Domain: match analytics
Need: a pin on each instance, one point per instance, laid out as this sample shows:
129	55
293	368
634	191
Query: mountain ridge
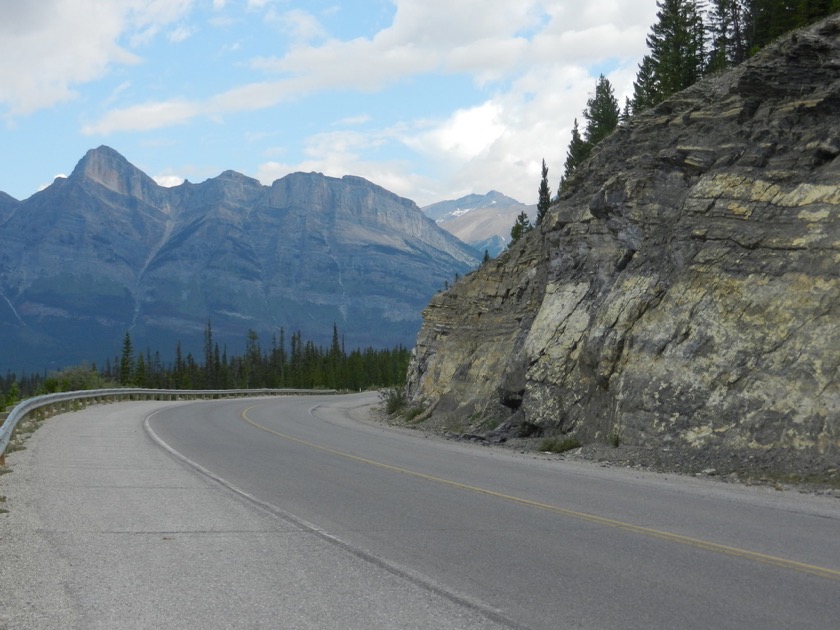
483	221
107	250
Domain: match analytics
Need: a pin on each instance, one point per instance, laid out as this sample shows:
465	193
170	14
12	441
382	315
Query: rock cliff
683	297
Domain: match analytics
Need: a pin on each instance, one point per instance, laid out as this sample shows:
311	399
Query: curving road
528	542
296	513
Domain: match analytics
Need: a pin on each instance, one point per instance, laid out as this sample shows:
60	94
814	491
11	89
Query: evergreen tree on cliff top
728	30
602	114
578	151
544	201
677	53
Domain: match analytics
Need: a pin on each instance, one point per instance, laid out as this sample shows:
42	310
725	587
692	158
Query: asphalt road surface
532	543
296	513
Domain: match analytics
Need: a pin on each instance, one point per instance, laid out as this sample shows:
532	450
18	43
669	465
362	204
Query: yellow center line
697	543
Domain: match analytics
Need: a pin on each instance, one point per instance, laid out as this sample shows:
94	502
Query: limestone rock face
685	294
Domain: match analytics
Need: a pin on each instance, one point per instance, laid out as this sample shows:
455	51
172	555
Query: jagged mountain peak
107	167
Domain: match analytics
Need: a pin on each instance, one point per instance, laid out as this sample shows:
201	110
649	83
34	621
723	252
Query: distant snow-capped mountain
483	221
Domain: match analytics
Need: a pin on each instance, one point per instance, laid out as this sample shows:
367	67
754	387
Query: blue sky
432	99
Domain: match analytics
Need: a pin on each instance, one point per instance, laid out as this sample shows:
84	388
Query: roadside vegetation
297	364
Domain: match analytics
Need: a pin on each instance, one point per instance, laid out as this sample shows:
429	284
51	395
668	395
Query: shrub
559	445
412	412
394	399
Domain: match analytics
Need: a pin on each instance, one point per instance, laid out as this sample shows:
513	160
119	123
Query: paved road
107	531
541	544
337	523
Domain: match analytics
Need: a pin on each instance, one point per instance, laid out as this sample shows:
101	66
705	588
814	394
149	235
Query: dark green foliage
578	151
126	361
544	191
677	53
394	399
558	445
74	378
303	366
684	46
727	30
646	91
520	228
601	113
11	391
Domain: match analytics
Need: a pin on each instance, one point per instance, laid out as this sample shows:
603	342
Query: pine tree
601	113
728	31
677	53
126	361
544	191
646	92
520	228
626	112
578	151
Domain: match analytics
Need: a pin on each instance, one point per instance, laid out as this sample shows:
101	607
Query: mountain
682	299
7	204
483	221
107	250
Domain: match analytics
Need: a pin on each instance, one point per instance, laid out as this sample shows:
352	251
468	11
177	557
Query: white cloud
180	34
533	62
50	47
59	176
465	135
168	181
544	81
426	36
144	117
300	25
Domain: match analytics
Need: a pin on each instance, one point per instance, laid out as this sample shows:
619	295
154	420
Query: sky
431	99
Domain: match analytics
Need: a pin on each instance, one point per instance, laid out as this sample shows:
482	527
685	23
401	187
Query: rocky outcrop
684	295
107	250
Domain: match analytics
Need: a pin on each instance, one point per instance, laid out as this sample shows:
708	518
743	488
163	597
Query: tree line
693	38
689	40
298	364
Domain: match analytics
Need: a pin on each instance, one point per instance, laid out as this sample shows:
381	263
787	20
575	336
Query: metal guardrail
51	404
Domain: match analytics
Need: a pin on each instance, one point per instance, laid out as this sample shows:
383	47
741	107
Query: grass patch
614	439
394	398
559	445
412	412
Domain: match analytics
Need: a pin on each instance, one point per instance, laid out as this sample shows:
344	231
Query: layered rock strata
684	295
